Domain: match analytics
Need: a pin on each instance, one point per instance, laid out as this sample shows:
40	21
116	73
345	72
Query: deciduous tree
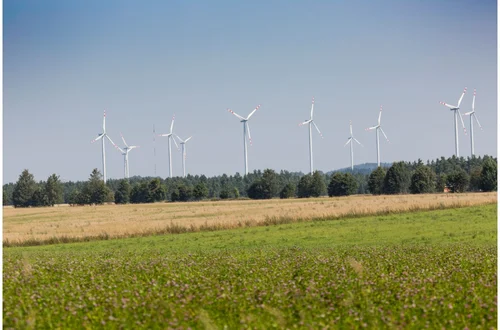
376	181
342	184
423	180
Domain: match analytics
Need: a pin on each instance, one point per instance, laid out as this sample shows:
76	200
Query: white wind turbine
310	121
349	140
101	137
170	137
377	128
183	148
472	114
456	109
246	129
125	152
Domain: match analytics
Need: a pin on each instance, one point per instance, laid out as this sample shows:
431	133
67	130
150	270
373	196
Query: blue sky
67	61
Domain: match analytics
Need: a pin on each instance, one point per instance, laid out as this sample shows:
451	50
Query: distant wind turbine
456	109
311	122
125	152
170	137
101	137
246	129
377	128
472	114
349	140
183	148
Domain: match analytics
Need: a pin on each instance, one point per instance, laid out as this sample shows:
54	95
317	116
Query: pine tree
397	179
24	190
304	186
318	186
53	190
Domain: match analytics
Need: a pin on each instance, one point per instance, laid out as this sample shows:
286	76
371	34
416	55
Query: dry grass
61	224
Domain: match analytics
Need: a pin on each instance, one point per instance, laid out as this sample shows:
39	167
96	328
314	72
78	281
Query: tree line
452	174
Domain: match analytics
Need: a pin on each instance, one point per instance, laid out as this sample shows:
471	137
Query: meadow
33	226
422	269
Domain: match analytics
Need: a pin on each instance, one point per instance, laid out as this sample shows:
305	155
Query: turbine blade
448	105
172	124
348	140
358	142
251	113
97	138
248	131
370	128
126	145
384	135
167	134
350	126
468	113
461	119
234	113
189	138
177	136
104	122
114	145
380	115
317	128
473	100
477	120
175	144
306	122
312	108
461	97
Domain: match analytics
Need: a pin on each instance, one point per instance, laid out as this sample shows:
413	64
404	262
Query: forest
453	175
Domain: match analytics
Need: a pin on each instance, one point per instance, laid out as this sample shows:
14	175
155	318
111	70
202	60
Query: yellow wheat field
136	219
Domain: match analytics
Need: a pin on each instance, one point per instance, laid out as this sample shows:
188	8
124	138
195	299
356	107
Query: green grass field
423	269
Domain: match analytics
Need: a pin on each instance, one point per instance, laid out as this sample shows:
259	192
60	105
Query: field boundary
177	228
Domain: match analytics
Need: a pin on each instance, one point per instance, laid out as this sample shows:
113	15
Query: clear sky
65	62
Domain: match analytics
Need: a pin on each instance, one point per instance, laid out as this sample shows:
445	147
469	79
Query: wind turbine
472	114
125	152
183	146
377	128
170	137
456	109
311	122
349	140
246	129
101	137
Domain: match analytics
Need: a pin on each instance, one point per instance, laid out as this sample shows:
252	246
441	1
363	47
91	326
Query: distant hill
365	168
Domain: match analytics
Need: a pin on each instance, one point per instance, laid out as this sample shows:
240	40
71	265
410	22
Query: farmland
109	221
422	269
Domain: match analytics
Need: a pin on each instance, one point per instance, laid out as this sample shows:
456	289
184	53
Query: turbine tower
101	137
456	109
246	129
310	121
183	147
377	128
170	137
472	114
349	140
125	152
